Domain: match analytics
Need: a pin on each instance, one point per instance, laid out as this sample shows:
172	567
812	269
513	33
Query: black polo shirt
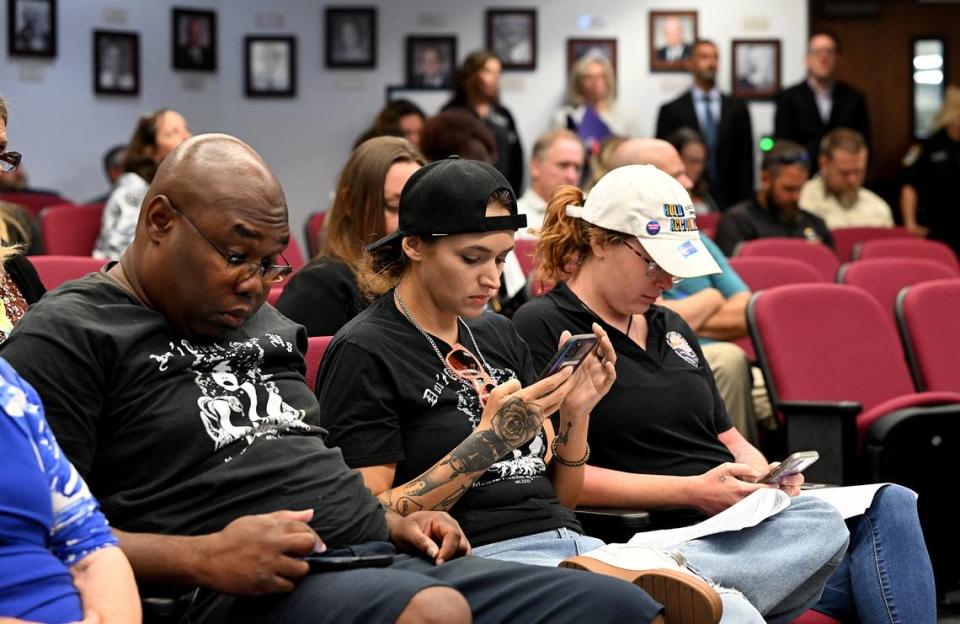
749	220
933	172
664	413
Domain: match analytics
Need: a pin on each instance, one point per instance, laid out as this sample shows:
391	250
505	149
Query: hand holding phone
795	464
369	555
571	353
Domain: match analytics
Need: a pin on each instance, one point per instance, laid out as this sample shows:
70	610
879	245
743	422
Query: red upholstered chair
815	617
293	255
820	257
908	248
845	239
766	272
885	277
34	202
708	222
275	291
927	318
70	230
316	346
525	247
55	270
311	231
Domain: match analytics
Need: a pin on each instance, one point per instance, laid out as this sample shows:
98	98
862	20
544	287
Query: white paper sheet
850	501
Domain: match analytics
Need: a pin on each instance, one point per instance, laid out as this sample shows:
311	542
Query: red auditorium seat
845	239
293	254
766	272
55	270
708	222
525	247
312	230
70	230
927	317
316	346
908	248
820	257
274	295
34	202
883	278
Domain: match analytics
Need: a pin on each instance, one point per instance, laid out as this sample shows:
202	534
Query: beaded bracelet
563	462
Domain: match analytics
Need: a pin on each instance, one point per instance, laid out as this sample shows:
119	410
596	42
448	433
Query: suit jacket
684	55
733	181
798	117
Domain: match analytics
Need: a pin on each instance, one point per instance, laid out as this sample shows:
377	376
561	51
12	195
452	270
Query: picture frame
32	28
511	34
672	34
431	61
270	66
578	48
194	40
755	68
116	62
351	38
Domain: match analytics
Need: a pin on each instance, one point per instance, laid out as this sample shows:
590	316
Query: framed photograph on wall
270	66
116	62
351	35
32	28
512	35
756	68
672	34
578	48
431	61
194	40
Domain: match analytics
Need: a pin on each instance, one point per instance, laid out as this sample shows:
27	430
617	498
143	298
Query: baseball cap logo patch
673	210
683	225
653	228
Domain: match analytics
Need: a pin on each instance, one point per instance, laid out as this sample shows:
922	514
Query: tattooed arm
511	418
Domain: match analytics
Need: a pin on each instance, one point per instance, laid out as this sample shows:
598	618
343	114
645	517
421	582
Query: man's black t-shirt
322	297
663	413
386	398
748	220
178	436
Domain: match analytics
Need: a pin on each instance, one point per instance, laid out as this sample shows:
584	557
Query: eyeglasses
9	161
654	270
244	270
467	367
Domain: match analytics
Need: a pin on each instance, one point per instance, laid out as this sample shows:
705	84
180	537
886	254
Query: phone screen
572	353
796	463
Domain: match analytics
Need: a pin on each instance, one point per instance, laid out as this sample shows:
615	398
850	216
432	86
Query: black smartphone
372	555
795	464
572	353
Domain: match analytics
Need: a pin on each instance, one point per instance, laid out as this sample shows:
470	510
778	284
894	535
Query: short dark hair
844	139
825	32
700	42
782	154
683	136
457	132
111	158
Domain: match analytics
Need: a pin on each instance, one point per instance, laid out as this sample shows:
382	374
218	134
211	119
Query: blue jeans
548	548
886	575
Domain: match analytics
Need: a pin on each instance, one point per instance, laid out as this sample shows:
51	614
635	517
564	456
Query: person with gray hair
590	107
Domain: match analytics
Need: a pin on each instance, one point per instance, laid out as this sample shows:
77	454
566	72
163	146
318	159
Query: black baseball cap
450	196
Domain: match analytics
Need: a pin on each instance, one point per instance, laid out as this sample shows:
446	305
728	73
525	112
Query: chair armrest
612	524
830	428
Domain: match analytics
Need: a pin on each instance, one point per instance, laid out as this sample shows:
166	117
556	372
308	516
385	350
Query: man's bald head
654	152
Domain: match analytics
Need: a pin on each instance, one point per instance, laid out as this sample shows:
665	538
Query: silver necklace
406	313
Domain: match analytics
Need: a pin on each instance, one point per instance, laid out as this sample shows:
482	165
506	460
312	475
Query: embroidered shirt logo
682	348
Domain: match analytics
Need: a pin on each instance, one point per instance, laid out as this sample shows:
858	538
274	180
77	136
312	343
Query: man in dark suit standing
723	122
808	110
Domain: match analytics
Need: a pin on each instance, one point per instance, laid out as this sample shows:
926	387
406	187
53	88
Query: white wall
62	128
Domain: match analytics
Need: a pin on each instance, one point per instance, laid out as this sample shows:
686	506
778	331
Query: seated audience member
590	108
19	227
186	411
836	193
457	133
402	392
156	135
775	210
398	118
693	151
714	306
476	85
661	438
600	164
323	295
929	195
58	559
112	168
557	159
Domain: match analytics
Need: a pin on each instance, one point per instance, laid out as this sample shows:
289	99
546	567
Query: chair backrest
311	232
820	257
927	318
34	202
845	239
316	346
908	248
524	247
761	272
274	295
55	270
827	342
884	277
708	222
70	230
293	254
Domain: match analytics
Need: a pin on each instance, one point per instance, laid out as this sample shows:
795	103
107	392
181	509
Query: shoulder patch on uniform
682	348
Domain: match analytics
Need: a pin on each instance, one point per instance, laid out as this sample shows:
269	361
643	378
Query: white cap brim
681	258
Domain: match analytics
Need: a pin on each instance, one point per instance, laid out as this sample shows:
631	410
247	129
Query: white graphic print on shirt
237	400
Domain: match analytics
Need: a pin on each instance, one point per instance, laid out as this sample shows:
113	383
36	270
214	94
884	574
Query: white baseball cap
645	202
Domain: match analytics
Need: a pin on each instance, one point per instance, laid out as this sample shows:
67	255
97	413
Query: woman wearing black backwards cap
422	390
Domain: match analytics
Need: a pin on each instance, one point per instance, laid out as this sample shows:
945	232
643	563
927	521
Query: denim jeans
886	575
548	548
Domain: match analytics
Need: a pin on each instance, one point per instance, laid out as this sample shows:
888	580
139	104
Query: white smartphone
795	464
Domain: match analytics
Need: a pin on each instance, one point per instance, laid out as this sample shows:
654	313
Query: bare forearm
908	205
603	487
695	309
744	452
729	321
106	586
165	559
571	446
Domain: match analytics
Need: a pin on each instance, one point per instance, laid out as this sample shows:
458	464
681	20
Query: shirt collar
565	299
714	94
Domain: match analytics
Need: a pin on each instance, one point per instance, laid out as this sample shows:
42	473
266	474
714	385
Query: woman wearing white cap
422	390
661	437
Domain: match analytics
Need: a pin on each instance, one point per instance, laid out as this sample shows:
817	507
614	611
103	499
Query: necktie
710	135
